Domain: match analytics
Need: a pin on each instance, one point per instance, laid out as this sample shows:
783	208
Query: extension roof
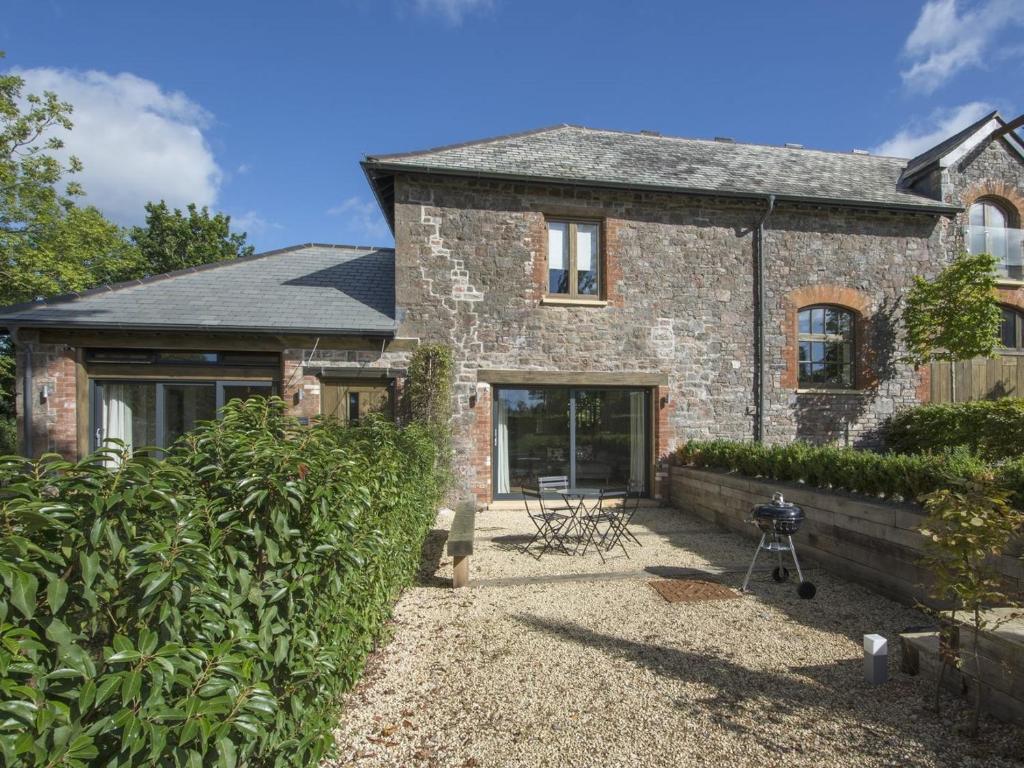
315	289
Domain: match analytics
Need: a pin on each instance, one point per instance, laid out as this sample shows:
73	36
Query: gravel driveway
570	662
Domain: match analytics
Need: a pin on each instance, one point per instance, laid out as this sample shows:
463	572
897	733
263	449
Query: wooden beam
219	341
181	372
460	572
574	378
1013	125
340	372
82	409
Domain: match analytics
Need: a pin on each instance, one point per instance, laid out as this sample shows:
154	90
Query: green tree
31	201
73	252
955	316
969	524
175	240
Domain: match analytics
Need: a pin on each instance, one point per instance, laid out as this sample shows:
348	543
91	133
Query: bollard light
876	659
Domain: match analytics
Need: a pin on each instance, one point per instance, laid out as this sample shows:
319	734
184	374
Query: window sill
829	391
558	301
1005	282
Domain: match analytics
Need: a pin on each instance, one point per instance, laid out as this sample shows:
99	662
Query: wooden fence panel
979	379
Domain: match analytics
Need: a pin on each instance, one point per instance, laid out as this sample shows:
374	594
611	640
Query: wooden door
349	401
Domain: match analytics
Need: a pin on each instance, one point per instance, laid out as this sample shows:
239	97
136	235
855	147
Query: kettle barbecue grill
779	520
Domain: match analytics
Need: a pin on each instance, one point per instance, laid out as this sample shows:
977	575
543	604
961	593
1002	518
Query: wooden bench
460	540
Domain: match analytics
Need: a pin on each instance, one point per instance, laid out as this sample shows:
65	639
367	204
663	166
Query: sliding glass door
156	413
598	438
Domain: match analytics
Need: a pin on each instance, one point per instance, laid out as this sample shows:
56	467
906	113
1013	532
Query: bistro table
575	500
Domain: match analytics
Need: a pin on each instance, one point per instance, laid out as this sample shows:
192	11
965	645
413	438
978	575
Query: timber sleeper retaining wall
870	541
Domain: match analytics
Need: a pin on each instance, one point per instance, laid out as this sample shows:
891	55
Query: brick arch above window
1006	196
851	299
1011	297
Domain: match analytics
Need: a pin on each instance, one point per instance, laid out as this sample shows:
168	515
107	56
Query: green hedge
893	475
994	429
211	608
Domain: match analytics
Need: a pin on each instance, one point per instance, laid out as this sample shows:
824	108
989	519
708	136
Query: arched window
826	346
986	232
1011	331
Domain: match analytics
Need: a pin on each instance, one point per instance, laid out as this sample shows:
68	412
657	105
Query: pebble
599	670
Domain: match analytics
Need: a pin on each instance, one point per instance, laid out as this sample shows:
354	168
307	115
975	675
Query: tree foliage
32	203
50	245
427	399
969	523
956	315
175	240
211	608
427	391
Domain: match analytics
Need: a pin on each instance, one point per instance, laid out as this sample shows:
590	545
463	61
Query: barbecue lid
777	507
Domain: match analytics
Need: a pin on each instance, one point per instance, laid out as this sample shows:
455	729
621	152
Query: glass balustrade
1007	245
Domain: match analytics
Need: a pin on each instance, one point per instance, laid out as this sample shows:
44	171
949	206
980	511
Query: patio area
568	661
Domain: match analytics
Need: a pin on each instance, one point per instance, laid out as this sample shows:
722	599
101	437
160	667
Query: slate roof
314	288
574	154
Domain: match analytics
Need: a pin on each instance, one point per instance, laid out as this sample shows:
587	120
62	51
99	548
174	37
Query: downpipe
759	312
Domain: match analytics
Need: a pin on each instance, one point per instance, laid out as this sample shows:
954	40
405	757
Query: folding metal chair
617	508
549	522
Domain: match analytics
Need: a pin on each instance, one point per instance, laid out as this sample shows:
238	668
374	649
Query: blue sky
263	109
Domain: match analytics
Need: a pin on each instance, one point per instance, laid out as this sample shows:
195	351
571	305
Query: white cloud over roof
137	141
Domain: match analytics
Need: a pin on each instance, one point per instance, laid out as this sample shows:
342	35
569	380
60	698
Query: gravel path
571	662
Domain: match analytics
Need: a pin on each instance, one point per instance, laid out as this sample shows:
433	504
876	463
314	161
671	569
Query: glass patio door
595	437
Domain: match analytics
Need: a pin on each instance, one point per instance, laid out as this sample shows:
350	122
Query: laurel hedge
209	608
994	429
890	475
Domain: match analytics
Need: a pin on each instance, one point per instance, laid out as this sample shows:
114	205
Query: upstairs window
988	232
574	259
1011	331
825	338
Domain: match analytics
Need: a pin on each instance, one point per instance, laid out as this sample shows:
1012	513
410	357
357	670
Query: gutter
58	325
925	208
760	251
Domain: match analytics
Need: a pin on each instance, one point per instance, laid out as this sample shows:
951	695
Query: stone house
606	294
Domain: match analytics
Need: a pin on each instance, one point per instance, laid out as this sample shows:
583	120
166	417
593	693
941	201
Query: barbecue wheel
806	590
780	574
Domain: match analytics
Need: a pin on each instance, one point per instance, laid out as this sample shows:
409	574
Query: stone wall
471	267
992	169
872	542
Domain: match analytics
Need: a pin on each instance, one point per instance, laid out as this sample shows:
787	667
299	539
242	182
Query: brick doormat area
691	590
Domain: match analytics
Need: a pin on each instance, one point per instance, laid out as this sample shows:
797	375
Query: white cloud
947	40
453	11
925	134
252	223
362	216
137	141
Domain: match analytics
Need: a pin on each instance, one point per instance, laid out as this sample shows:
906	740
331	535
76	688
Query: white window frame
572	258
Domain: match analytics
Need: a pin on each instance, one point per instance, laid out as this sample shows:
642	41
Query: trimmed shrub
994	429
8	435
892	475
210	608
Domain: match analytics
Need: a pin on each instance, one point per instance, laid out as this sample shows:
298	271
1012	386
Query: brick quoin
294	381
664	436
480	458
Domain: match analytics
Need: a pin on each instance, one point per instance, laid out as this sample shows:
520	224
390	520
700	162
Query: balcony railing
1007	245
